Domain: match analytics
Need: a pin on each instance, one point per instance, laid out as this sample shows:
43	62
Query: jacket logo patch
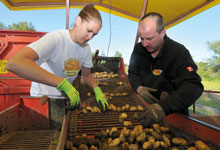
189	68
157	72
71	67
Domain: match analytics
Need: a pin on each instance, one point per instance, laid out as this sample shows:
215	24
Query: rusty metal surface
92	123
30	140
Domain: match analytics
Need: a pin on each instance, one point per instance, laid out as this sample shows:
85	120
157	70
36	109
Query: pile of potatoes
104	75
138	138
112	107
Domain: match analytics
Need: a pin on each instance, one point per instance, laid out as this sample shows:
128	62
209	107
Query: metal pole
67	13
142	14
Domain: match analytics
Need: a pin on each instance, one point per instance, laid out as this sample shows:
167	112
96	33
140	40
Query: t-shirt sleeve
44	47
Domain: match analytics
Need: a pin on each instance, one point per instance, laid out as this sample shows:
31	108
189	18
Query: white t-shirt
59	55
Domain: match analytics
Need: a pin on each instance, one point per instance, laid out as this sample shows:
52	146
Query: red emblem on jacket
189	68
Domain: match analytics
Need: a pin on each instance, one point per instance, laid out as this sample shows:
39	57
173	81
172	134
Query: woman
54	61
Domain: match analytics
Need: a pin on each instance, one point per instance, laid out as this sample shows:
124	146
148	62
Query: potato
117	94
191	148
156	135
156	127
127	123
89	108
140	108
151	138
125	146
133	108
124	94
156	145
166	140
93	147
201	145
140	139
147	145
112	94
118	109
179	141
84	111
119	83
123	115
164	129
88	94
133	147
115	142
83	147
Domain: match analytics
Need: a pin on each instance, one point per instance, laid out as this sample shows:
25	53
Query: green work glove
71	92
101	99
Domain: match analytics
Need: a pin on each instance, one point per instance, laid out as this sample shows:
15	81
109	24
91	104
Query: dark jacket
173	71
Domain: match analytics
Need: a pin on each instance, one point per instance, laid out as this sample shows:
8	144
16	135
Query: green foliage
210	70
22	26
2	26
207	104
117	54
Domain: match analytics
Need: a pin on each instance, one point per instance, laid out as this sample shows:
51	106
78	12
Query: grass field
208	103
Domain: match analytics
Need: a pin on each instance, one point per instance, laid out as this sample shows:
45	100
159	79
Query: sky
194	33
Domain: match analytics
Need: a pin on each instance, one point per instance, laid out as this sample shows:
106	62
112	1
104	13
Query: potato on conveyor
140	108
156	145
127	123
133	147
84	111
125	146
119	83
123	115
166	140
191	148
93	147
147	145
156	127
133	108
83	147
88	94
201	145
179	141
124	94
164	129
115	142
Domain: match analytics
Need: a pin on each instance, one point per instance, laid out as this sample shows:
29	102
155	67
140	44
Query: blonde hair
90	12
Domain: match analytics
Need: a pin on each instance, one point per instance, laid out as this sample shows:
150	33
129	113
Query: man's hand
153	114
71	92
101	99
144	92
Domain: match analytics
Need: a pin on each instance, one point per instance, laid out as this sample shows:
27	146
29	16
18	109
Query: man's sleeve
186	82
134	69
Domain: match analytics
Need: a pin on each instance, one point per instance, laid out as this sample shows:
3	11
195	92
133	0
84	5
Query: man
162	71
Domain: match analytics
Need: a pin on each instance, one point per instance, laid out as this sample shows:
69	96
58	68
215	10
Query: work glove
164	95
101	99
71	92
145	92
153	114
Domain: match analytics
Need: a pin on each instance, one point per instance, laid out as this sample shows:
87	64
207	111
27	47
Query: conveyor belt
30	140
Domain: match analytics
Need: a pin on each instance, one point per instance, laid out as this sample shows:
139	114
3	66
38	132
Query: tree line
22	26
210	68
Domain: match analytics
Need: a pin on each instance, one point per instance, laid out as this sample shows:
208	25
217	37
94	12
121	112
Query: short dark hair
159	21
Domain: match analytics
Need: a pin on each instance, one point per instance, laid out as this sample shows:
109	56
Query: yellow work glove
101	99
71	92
